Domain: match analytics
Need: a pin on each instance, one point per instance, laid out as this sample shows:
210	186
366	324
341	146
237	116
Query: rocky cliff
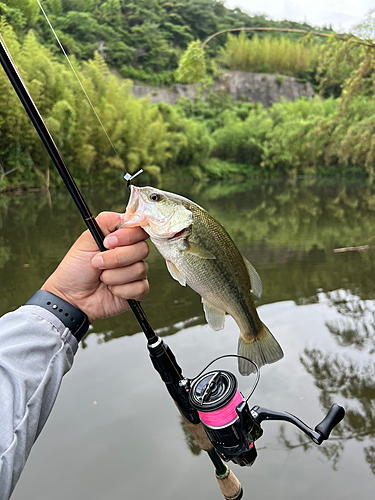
249	87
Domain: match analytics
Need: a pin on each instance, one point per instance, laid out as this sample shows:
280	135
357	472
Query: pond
115	433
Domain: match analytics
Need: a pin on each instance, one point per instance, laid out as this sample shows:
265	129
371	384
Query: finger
138	290
107	222
125	236
135	272
121	256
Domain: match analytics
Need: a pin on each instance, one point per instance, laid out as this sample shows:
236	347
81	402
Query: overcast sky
342	14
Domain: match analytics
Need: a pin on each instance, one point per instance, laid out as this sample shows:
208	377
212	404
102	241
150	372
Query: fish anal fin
215	317
175	273
263	349
256	282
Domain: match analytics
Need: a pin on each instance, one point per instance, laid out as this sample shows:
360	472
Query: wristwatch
73	318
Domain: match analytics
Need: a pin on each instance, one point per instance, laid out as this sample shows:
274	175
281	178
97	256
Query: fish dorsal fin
175	273
256	282
197	250
215	317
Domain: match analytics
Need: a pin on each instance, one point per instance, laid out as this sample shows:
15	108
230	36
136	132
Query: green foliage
366	29
269	54
192	67
13	16
147	35
338	61
212	109
144	135
29	10
242	140
347	67
160	79
300	134
213	136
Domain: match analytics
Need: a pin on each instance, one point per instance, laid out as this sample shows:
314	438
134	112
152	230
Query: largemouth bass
200	253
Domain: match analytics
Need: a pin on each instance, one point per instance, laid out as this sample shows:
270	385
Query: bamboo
290	30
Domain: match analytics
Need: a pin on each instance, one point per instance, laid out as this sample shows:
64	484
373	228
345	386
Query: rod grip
198	432
333	417
230	486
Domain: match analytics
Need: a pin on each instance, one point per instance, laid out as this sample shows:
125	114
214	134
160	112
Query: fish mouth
133	215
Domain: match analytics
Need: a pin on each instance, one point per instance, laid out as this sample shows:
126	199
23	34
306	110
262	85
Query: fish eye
155	197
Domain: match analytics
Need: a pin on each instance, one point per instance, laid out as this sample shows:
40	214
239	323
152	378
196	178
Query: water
114	432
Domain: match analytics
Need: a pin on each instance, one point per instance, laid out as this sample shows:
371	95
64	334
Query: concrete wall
249	87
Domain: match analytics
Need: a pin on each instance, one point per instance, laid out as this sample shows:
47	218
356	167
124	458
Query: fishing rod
161	355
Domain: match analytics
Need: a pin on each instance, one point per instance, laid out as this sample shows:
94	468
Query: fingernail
97	261
110	241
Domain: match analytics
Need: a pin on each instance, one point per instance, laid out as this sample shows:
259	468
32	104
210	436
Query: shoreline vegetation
332	134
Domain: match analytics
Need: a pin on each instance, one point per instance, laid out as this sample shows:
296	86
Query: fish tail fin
263	349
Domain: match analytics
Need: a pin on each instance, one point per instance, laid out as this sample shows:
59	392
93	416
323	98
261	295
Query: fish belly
216	283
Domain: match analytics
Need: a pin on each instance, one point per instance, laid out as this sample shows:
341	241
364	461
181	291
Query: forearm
36	350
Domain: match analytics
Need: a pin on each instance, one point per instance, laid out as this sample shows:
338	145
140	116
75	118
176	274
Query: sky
342	14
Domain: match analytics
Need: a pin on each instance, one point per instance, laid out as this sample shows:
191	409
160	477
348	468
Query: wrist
72	317
49	287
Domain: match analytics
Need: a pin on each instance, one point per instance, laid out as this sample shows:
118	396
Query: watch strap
70	316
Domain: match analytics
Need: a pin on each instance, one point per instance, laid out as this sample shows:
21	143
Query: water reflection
190	441
288	231
356	325
345	375
355	382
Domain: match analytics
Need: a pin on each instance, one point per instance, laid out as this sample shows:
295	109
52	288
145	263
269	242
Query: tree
192	67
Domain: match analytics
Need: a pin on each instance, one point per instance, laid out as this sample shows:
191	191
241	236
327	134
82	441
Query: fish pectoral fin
195	249
175	273
256	282
215	317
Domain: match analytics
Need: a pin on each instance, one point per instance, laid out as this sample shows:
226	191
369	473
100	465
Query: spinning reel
232	427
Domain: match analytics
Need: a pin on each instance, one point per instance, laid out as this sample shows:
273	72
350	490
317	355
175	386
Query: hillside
141	39
215	138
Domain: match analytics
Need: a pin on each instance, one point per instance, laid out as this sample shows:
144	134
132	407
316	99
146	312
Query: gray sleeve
36	350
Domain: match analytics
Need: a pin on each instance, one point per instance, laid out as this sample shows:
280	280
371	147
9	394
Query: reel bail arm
318	435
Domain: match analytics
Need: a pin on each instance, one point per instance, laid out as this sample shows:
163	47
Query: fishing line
77	77
235	356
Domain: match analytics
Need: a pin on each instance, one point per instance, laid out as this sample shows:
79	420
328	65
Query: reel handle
318	435
333	417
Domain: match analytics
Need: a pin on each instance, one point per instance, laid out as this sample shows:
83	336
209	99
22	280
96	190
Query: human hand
99	284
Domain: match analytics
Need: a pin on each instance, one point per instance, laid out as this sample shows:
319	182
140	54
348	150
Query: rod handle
333	417
230	486
198	433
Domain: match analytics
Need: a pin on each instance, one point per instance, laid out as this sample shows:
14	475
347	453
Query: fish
200	253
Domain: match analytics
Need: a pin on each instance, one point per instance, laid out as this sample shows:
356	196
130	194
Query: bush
240	140
269	55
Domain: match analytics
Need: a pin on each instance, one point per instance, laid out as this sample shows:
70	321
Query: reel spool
225	416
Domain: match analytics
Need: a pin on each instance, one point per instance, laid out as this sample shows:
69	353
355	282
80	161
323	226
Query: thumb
107	222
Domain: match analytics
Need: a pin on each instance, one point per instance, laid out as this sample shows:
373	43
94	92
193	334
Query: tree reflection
286	229
190	441
335	376
356	326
